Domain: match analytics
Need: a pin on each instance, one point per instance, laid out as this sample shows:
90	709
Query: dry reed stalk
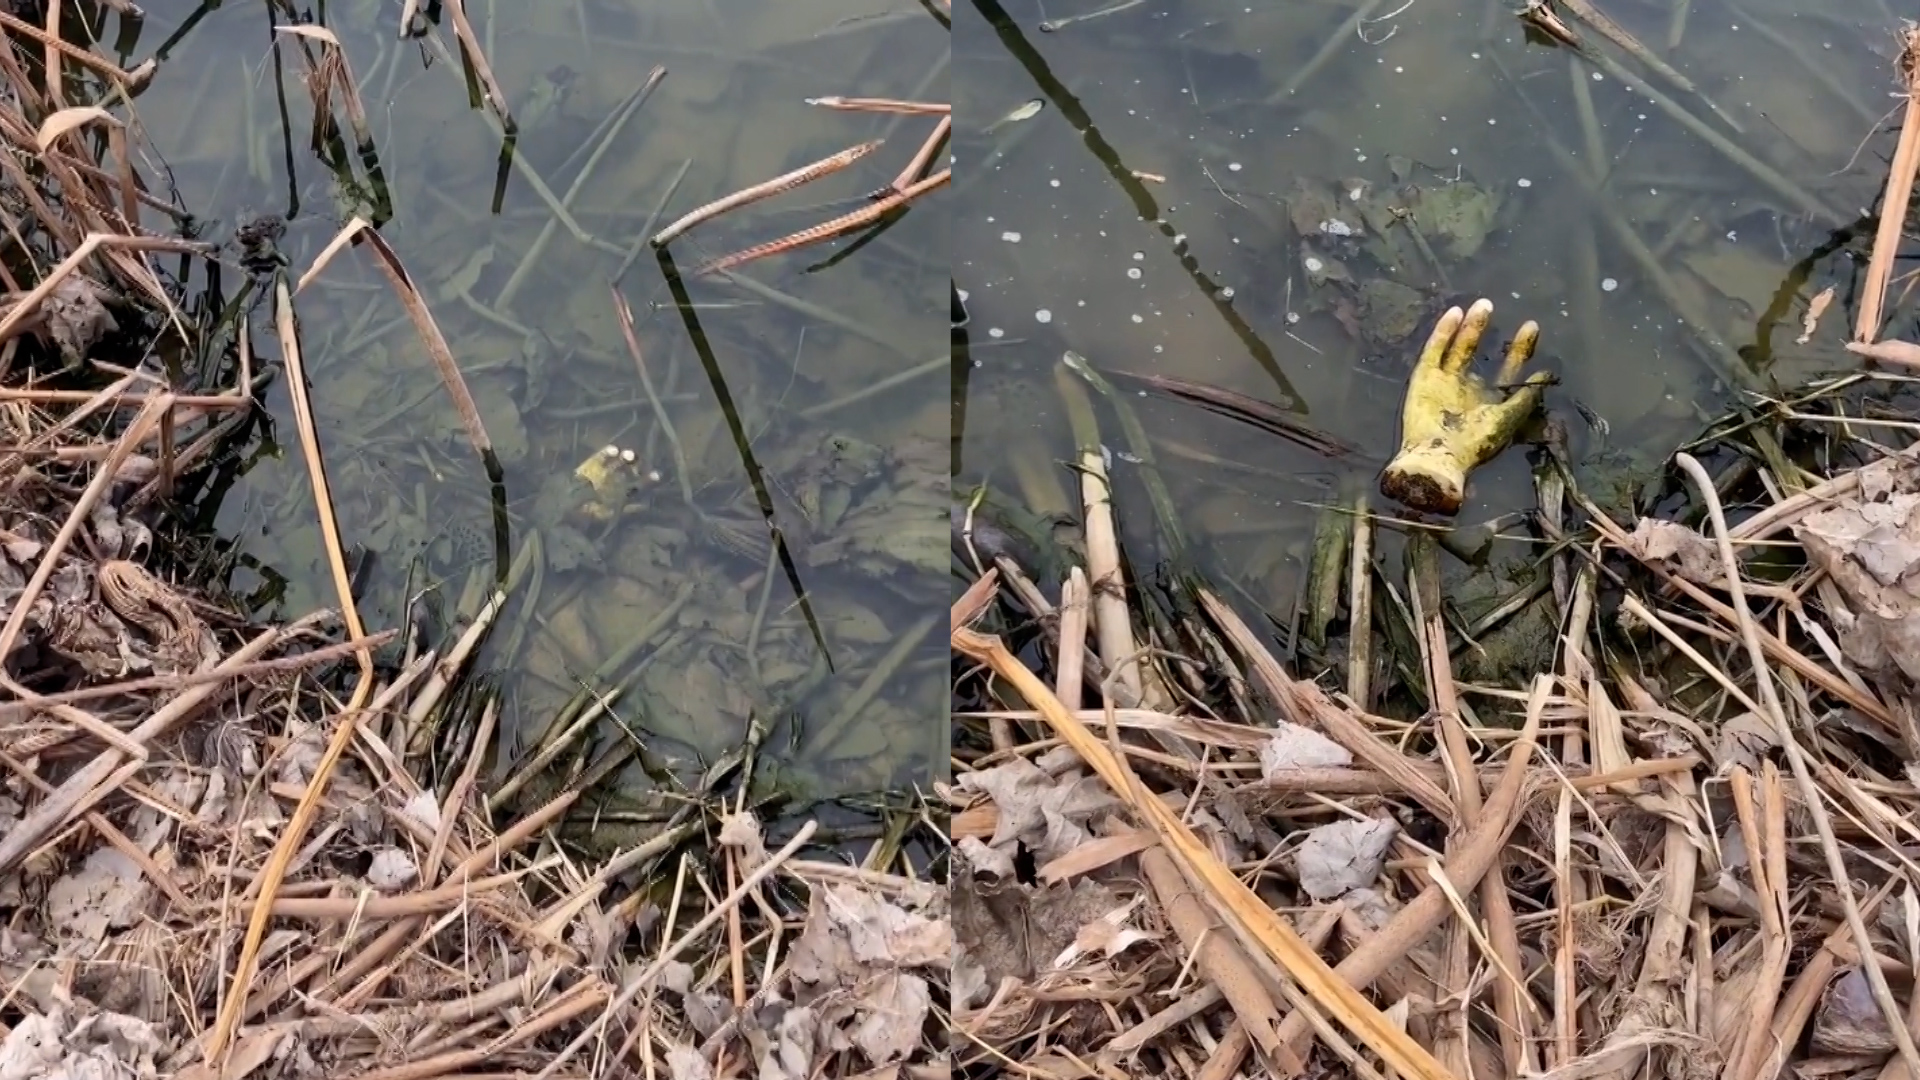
1893	204
1259	926
1772	646
389	265
96	779
1305	704
979	596
1070	657
827	230
884	105
1899	353
293	835
1764	833
133	81
28	306
137	430
1512	1004
781	184
917	167
470	46
1218	958
70	120
332	74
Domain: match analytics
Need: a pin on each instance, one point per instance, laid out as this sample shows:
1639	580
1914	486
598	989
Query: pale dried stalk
332	74
234	999
134	80
1764	834
68	120
470	44
389	265
1663	970
765	190
883	105
143	423
827	230
917	167
1465	865
56	811
1217	957
1893	204
1511	1003
1070	659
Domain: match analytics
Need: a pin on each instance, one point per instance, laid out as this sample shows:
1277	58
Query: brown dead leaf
1871	550
1849	1021
1292	746
1049	816
1342	856
1676	547
77	317
108	891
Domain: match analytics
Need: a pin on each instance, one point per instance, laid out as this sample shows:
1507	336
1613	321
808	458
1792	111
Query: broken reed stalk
1899	190
266	886
329	75
387	261
477	57
781	184
1218	958
1257	925
70	120
1813	806
884	105
827	230
131	81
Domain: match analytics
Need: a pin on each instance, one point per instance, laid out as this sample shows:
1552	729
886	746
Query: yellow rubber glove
1452	422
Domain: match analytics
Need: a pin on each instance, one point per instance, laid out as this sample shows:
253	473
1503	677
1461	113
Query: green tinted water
817	375
1220	192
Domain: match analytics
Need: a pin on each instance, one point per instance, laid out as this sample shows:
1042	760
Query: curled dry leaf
1849	1021
1292	747
1337	858
1870	548
60	1046
1049	816
1810	322
1676	547
391	870
77	317
742	833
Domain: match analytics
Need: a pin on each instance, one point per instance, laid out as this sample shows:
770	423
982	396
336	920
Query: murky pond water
801	390
1278	199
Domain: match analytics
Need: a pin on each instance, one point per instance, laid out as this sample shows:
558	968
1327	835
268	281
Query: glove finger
1436	347
1519	353
1468	339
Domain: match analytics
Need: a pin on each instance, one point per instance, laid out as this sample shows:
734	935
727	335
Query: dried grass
224	848
1657	859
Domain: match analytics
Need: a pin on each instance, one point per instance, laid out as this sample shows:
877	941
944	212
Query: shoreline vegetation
230	849
1197	837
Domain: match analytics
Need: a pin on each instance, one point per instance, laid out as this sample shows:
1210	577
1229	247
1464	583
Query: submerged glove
1452	422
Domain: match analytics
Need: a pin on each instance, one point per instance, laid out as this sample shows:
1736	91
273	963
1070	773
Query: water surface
806	388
